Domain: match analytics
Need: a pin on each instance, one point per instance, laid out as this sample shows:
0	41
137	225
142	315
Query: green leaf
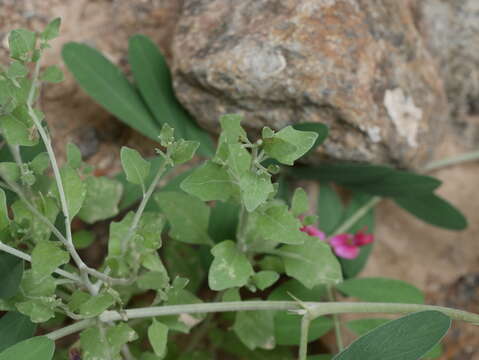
75	190
264	279
52	30
21	42
11	272
154	280
280	146
312	263
288	328
9	171
230	267
35	287
209	182
382	290
16	70
239	159
158	337
16	132
294	288
77	299
136	168
39	310
321	129
363	326
223	221
15	327
46	257
276	223
407	338
40	163
119	335
153	78
105	83
36	348
300	202
102	198
330	209
188	217
434	210
231	128
95	305
4	219
94	346
74	156
184	151
52	74
255	329
255	189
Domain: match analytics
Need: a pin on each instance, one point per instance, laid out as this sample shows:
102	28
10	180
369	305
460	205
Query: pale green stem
363	210
336	322
454	160
142	206
303	345
241	230
315	309
26	257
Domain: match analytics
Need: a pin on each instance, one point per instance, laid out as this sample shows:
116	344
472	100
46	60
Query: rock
451	32
358	66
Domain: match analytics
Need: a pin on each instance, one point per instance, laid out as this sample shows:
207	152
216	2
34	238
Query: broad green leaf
97	304
4	219
209	182
277	223
21	42
288	137
105	83
264	279
74	156
231	128
184	151
15	327
158	337
46	257
9	171
77	299
16	132
294	288
119	335
255	329
94	346
39	309
230	267
312	263
188	217
17	69
118	255
300	202
239	159
40	163
74	188
154	280
52	30
363	326
102	198
382	290
407	338
353	267
330	209
434	210
52	74
35	287
83	239
255	189
136	168
36	348
153	79
11	272
288	328
35	229
321	129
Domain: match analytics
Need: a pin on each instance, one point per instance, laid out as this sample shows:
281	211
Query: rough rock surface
358	66
451	32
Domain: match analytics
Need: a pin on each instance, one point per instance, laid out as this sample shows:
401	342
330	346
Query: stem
454	160
336	322
363	210
315	309
141	208
303	345
26	257
241	230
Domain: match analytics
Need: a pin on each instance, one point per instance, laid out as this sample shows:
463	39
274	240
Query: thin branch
454	160
336	321
363	210
303	345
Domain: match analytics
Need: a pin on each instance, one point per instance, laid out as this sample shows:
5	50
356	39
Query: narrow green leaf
312	263
158	337
136	168
330	209
36	348
382	290
342	173
407	338
15	327
11	272
4	219
188	217
52	74
105	83
230	267
434	210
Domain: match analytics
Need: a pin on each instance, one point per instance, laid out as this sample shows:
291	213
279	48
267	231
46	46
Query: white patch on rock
261	62
374	134
405	115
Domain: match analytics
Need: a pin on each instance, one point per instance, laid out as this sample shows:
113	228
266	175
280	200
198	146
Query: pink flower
344	245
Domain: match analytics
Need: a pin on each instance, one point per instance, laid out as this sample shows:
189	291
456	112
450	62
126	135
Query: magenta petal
313	231
340	239
361	239
346	251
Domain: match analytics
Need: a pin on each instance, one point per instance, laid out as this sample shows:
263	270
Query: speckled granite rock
359	66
